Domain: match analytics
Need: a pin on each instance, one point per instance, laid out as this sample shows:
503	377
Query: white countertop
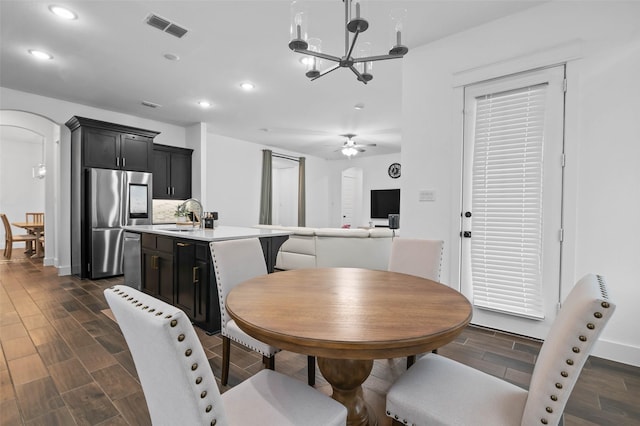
220	233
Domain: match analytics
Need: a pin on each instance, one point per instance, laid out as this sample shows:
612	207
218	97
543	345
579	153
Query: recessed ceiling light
40	54
247	86
171	57
359	106
62	12
204	104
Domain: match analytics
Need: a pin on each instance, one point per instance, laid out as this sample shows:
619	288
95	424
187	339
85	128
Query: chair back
418	257
573	333
174	372
7	227
34	217
235	261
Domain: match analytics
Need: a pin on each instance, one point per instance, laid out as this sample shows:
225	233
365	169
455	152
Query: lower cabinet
192	279
157	266
179	271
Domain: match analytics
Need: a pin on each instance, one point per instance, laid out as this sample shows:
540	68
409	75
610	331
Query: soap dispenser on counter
211	220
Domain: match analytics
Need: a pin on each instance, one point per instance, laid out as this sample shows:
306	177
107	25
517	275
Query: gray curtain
302	210
266	191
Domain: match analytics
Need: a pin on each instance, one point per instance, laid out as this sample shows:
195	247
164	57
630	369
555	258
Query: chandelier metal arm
376	58
353	44
318	55
357	73
327	71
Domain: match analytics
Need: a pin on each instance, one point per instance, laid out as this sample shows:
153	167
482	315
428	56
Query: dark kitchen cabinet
171	172
112	146
158	266
192	279
179	271
99	144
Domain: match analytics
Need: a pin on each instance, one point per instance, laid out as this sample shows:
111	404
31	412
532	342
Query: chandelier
355	24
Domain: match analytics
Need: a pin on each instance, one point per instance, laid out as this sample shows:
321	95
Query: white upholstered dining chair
179	385
419	257
235	261
440	391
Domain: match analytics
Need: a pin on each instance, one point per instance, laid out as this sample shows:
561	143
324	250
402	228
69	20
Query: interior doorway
285	191
47	133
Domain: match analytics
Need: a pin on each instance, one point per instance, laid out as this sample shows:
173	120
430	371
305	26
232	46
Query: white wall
374	176
602	39
60	112
234	172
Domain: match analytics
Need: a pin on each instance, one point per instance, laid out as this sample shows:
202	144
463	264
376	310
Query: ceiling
109	58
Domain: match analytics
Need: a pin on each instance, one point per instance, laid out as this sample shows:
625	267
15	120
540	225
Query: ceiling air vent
165	25
150	104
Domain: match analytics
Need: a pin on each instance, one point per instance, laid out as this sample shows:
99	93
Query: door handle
196	275
466	234
183	244
117	161
155	264
168	191
124	162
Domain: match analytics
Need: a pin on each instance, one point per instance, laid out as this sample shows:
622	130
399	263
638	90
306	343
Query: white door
348	199
512	200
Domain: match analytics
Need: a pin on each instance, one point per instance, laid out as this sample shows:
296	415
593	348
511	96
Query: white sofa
334	247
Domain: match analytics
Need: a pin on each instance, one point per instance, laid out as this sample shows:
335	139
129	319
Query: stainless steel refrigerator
116	198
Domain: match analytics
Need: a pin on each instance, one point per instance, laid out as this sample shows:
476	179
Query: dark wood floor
65	362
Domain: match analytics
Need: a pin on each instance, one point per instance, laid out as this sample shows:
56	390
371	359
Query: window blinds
506	242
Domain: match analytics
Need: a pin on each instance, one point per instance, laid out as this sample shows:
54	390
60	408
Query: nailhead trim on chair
582	338
396	417
223	313
181	337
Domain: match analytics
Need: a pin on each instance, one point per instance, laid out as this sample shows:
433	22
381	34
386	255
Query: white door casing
479	248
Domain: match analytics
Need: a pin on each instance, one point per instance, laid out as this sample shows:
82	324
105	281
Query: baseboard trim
618	352
64	270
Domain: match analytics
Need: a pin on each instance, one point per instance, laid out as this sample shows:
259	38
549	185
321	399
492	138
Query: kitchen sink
181	229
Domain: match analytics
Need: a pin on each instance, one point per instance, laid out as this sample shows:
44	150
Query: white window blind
506	242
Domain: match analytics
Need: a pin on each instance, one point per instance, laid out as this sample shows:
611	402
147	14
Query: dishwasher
131	262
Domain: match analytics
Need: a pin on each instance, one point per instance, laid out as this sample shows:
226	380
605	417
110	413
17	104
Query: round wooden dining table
347	317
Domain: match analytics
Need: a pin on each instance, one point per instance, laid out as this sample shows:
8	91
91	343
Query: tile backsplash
163	210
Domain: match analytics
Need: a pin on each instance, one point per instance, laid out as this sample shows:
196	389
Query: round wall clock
394	170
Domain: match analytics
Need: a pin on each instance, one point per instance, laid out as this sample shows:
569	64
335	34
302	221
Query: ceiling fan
350	147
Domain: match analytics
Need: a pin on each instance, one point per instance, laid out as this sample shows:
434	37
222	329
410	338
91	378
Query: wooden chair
235	261
178	383
440	391
9	238
422	258
34	217
31	217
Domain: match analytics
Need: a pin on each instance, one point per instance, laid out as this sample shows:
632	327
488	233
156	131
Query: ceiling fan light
349	151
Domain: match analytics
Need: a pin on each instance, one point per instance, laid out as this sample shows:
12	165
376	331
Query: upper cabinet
171	172
113	146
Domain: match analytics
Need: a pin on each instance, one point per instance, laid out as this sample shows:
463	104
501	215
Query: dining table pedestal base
346	377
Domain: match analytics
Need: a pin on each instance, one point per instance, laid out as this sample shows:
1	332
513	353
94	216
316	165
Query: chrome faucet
193	222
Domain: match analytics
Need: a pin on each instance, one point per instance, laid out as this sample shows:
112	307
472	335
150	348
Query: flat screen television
384	202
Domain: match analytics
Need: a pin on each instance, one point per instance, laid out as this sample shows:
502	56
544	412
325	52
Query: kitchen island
175	265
